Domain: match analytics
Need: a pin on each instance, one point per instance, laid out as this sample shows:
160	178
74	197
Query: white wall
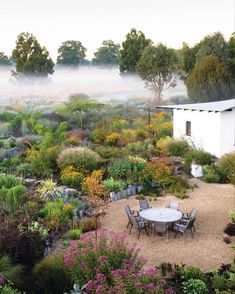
227	143
205	129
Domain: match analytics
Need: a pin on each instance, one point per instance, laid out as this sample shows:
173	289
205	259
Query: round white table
162	215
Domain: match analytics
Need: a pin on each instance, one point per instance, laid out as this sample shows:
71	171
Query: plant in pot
230	228
140	197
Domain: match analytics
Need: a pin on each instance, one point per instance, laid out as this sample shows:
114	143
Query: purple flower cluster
2	279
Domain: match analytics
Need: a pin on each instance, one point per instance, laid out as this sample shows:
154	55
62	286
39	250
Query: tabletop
163	215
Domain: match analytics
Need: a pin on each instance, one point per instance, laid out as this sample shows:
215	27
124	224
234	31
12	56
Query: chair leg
146	231
194	228
192	233
139	233
167	236
128	224
130	229
176	233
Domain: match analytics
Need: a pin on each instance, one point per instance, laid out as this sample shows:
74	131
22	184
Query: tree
4	60
156	67
231	54
107	54
186	57
210	80
214	44
132	49
71	53
80	104
30	58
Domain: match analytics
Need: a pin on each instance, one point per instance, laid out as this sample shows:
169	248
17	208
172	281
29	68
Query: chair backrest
144	204
193	213
128	210
190	223
136	221
173	204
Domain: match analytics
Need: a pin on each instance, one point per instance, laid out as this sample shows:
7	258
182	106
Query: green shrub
71	177
5	129
57	214
51	276
119	168
10	272
179	186
11	199
211	174
190	272
165	129
177	147
24	168
224	292
80	157
108	152
74	234
8	289
226	165
194	286
9	181
44	161
112	185
87	224
15	160
218	282
199	157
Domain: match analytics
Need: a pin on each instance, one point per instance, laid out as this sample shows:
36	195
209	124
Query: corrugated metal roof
210	106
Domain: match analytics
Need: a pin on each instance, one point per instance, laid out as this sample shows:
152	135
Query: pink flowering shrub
111	265
123	281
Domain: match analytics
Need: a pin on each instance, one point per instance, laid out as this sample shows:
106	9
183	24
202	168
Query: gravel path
206	250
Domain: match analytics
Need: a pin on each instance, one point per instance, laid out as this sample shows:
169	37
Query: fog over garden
103	84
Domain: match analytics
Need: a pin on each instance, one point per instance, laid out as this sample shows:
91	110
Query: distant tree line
207	69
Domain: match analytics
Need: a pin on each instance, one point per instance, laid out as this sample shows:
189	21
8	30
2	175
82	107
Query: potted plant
140	197
230	228
232	217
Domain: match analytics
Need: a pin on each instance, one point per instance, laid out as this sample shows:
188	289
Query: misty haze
99	83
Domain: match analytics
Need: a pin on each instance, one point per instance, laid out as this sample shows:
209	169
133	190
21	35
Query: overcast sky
92	21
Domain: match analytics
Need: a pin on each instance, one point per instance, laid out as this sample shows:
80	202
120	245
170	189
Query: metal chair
188	216
183	226
138	223
144	204
173	204
129	212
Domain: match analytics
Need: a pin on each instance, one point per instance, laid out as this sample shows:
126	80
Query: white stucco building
208	126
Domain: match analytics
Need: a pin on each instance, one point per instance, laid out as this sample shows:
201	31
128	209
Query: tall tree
231	54
156	68
186	57
210	80
132	49
214	44
4	60
71	53
107	54
30	58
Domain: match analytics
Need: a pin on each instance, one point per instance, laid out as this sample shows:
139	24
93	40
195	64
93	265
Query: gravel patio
206	250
